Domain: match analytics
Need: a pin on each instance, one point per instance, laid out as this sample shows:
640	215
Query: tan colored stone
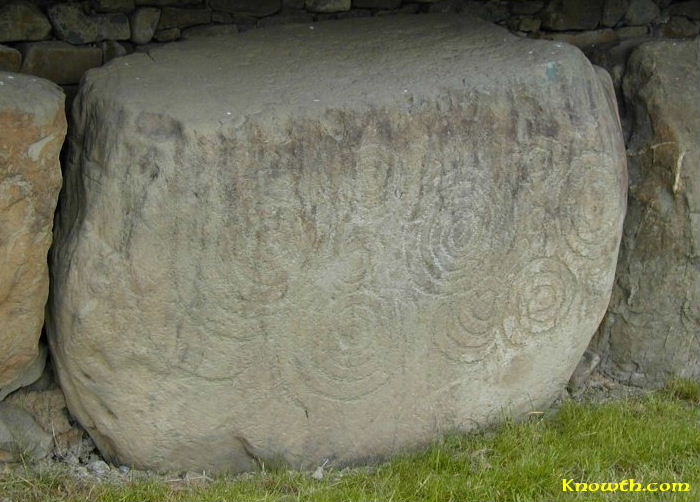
10	59
33	127
59	62
263	257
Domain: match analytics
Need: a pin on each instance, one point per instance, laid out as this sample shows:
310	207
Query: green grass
652	438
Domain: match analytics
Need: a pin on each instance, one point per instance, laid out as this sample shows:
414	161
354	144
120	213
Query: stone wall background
59	41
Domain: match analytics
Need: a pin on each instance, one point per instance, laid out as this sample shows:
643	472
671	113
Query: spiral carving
349	350
453	235
593	209
467	329
542	297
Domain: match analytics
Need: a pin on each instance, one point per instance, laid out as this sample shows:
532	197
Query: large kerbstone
33	126
331	243
651	332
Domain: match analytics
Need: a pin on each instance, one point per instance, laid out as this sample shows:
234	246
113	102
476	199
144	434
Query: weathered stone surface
143	24
209	31
613	12
651	330
641	12
10	59
270	258
29	374
33	126
680	27
563	15
58	61
20	436
167	35
689	9
328	5
72	25
285	18
113	5
585	40
112	49
168	3
256	8
22	21
176	17
376	4
526	8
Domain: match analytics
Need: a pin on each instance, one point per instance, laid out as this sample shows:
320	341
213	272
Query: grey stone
222	17
176	17
209	31
21	436
690	9
280	19
328	5
631	32
168	3
584	40
125	6
529	24
526	8
650	333
493	11
33	127
376	4
641	12
72	25
680	27
563	15
112	49
613	12
58	61
23	21
168	35
99	467
293	4
585	368
143	24
10	60
261	256
256	8
445	7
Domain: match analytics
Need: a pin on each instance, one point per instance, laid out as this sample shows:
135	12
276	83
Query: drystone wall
59	41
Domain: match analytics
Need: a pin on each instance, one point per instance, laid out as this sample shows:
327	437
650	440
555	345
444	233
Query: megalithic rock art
331	241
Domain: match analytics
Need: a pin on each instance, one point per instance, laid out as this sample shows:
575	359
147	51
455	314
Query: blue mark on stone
552	70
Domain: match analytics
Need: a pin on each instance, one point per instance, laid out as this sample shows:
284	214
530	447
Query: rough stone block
21	21
325	6
58	61
33	126
262	257
652	329
176	17
72	25
144	22
256	8
563	15
10	59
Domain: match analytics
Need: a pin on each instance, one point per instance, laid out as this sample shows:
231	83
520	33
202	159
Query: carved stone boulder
331	241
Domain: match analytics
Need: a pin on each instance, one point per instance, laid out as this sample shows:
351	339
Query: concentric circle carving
542	296
467	327
452	237
349	349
